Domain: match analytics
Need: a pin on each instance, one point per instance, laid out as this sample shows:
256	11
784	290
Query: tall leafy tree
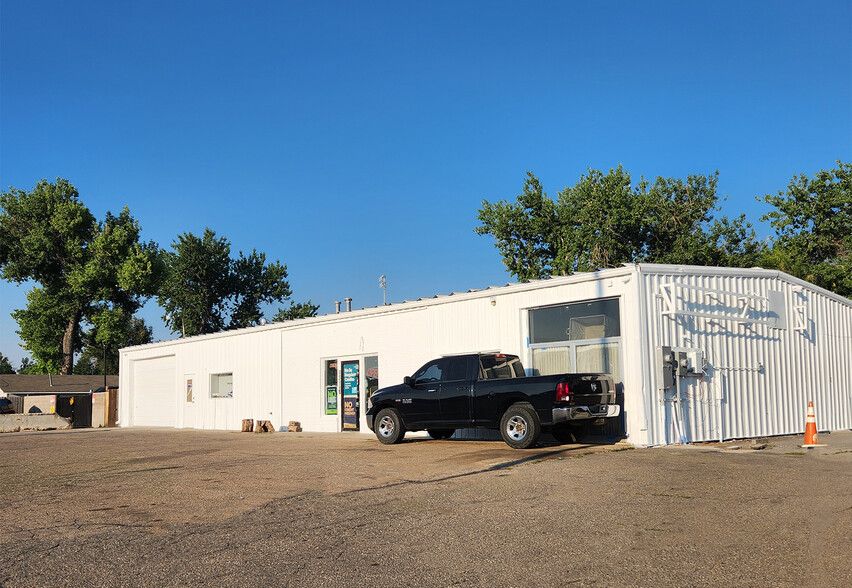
296	310
85	269
256	282
99	348
600	221
197	284
606	219
43	326
525	231
813	222
683	229
28	367
206	290
6	365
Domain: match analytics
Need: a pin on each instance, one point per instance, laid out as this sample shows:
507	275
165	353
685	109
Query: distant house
72	397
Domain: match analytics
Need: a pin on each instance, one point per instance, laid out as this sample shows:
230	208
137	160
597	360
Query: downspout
647	391
679	422
281	381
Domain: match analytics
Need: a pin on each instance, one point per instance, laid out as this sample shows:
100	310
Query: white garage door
154	392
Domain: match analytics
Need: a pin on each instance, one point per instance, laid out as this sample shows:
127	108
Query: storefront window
598	358
596	319
554	360
578	337
371	375
331	386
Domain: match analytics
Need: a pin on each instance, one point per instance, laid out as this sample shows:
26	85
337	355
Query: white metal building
759	343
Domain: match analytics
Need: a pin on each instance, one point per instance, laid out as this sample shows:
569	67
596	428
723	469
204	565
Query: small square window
222	385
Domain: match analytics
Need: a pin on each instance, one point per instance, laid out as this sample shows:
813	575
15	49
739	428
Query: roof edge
661	268
405	306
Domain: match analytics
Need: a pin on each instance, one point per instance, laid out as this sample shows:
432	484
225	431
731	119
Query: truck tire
389	427
570	433
520	427
440	433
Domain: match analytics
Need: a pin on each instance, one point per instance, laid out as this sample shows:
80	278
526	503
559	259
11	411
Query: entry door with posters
351	406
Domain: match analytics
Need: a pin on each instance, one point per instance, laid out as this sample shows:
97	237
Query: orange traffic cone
810	428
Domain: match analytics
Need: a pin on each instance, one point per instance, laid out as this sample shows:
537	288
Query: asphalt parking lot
164	507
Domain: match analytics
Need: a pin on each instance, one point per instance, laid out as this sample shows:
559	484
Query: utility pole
383	284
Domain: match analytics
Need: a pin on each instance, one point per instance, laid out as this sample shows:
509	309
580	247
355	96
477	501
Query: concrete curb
12	423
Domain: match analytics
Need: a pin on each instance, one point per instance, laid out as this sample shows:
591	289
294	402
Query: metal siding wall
251	358
397	338
797	366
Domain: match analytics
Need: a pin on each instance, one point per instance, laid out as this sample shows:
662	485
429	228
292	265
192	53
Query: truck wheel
440	433
389	427
570	433
520	426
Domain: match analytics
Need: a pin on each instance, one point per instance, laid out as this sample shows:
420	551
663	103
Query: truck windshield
495	367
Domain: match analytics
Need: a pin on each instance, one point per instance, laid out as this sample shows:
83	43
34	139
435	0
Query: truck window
457	368
431	372
494	367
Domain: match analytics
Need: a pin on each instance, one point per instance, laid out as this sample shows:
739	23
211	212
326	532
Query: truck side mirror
408	381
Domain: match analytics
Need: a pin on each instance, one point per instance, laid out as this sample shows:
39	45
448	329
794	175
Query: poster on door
331	400
350	395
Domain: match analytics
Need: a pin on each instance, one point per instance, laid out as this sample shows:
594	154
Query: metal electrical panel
689	362
665	368
696	361
681	363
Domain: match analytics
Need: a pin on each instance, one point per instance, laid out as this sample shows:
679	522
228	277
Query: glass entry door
351	405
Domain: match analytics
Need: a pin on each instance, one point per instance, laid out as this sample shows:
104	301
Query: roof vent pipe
336	306
348	304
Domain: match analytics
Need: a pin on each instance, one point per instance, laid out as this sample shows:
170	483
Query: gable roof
41	384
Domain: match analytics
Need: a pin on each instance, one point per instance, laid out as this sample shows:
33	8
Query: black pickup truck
491	391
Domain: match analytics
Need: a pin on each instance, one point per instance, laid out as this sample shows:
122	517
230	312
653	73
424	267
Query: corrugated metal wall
759	379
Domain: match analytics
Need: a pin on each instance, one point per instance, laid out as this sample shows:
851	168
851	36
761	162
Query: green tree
6	365
600	221
42	326
85	269
130	332
256	282
206	291
27	367
197	284
525	232
605	220
296	310
682	228
813	224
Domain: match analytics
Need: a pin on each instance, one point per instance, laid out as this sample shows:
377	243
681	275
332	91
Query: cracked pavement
165	507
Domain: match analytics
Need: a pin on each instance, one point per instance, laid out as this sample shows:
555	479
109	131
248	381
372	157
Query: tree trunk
68	345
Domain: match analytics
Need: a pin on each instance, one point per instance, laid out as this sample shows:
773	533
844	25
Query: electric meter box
665	368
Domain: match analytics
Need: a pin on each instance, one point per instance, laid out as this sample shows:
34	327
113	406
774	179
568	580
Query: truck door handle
461	388
432	390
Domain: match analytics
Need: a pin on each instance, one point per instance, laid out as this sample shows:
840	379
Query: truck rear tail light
563	394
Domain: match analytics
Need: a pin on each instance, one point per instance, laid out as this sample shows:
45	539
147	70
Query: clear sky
354	139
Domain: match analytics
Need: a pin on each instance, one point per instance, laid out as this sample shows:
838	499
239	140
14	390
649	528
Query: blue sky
354	139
